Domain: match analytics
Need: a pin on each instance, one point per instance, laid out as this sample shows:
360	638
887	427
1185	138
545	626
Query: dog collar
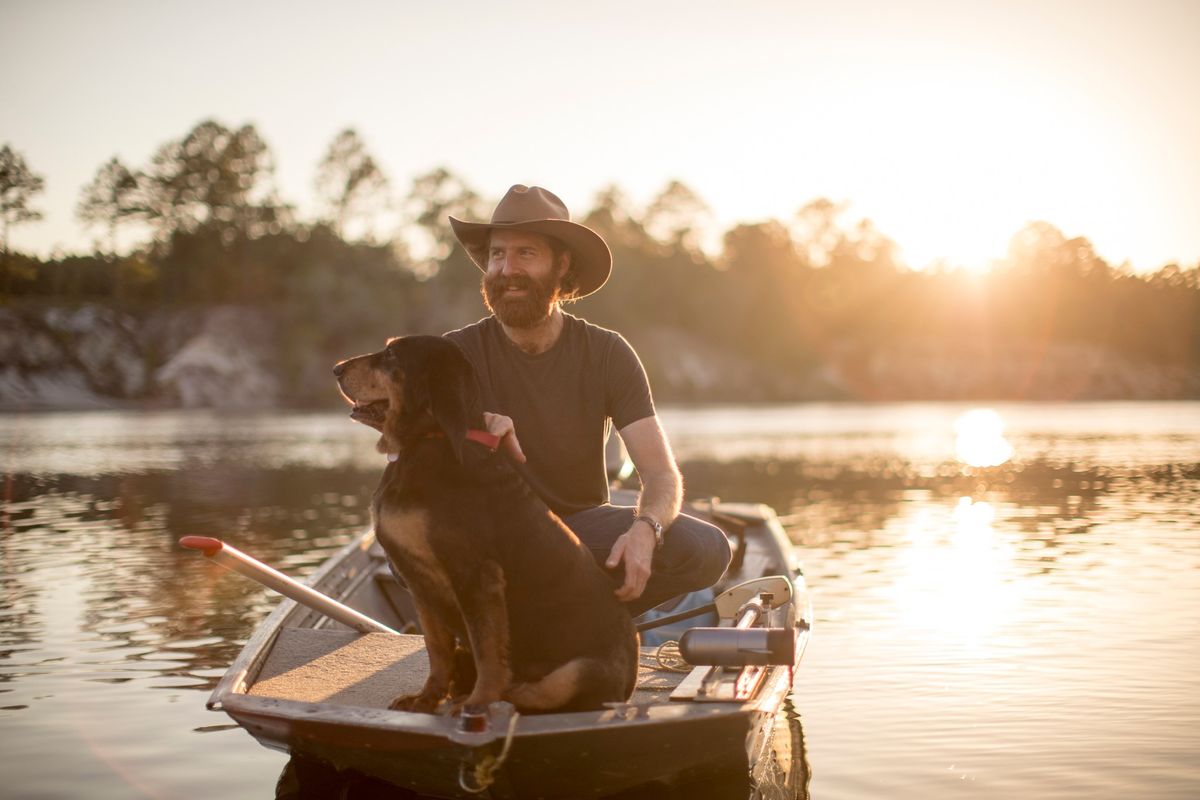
489	440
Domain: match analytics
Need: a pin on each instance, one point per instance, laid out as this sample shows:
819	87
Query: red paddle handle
205	544
230	557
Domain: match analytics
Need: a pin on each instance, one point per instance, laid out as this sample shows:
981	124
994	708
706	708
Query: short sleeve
627	390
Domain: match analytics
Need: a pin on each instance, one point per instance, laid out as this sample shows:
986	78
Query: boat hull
652	740
553	763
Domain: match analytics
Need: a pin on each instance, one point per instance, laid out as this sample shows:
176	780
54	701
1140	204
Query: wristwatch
655	525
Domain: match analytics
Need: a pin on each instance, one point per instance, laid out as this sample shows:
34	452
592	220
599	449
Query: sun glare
958	585
979	439
974	167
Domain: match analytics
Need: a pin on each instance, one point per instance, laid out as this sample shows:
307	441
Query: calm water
1008	601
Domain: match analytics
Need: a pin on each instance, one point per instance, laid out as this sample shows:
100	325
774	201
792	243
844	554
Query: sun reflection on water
980	439
958	586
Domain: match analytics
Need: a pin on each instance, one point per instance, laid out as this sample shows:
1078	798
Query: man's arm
661	497
662	486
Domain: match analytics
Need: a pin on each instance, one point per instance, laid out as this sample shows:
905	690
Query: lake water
1007	597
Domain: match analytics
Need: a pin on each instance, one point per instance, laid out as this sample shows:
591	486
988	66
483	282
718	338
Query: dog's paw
422	703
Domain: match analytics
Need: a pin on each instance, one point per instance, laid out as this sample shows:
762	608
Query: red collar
488	440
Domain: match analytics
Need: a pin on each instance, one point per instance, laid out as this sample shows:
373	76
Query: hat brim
592	259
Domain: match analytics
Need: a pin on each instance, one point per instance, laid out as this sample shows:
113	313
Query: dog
513	607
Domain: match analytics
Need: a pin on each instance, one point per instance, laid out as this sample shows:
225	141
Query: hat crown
528	203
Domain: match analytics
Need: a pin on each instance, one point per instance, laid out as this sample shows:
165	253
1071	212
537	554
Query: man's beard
525	311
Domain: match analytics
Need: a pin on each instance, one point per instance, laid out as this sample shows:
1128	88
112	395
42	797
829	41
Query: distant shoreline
686	405
96	357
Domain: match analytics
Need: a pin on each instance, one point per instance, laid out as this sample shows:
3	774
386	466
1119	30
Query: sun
979	439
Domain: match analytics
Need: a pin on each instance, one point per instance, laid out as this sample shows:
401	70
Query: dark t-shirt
560	402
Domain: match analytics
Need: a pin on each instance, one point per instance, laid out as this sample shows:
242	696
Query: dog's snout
339	368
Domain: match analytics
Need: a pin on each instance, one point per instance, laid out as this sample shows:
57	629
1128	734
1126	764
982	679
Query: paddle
231	558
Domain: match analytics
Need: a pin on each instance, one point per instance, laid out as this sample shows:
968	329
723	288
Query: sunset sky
949	124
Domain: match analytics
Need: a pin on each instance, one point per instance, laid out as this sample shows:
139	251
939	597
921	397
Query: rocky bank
228	357
98	357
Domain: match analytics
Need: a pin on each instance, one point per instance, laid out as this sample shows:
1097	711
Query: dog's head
410	386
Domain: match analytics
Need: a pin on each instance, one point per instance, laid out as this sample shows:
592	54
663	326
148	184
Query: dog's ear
438	378
452	393
407	360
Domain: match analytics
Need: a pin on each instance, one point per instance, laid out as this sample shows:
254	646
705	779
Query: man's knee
704	546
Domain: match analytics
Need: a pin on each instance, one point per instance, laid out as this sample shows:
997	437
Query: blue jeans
694	554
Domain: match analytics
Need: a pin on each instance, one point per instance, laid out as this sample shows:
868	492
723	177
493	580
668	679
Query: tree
612	218
610	209
865	246
434	197
765	285
818	231
1040	248
761	248
112	197
214	177
826	238
350	183
677	216
18	185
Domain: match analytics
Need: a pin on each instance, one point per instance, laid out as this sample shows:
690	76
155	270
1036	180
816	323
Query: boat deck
369	670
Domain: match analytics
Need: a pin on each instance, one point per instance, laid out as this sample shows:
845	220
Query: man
553	383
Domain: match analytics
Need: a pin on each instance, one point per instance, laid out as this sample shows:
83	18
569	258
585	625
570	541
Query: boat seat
369	670
758	561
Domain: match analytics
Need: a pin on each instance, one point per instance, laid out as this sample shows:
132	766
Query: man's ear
568	280
452	394
564	264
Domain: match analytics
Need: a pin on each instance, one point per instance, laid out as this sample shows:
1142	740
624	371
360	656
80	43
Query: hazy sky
950	124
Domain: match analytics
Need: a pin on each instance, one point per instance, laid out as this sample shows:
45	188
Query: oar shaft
231	558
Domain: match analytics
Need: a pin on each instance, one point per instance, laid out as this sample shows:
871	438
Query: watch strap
655	525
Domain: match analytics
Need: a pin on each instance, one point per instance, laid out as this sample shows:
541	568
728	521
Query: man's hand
502	426
636	548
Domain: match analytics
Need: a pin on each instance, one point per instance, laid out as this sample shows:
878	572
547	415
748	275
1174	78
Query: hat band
496	221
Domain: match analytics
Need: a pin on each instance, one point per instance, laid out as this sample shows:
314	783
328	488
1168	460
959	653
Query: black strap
682	615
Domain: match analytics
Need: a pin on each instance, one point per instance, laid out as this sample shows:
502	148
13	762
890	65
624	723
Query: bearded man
554	384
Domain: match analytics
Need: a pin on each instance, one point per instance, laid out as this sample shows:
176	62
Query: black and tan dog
491	568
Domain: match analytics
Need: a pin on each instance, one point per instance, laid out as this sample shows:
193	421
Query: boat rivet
474	719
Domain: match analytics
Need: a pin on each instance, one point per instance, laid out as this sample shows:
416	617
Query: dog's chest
406	534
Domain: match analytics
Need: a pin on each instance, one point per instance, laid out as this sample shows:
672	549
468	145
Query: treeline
789	295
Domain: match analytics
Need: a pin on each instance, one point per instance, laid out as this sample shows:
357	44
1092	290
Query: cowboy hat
534	209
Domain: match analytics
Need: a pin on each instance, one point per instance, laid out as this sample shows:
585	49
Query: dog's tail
582	684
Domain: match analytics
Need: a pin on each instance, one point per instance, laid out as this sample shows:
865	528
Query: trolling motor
744	644
738	647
